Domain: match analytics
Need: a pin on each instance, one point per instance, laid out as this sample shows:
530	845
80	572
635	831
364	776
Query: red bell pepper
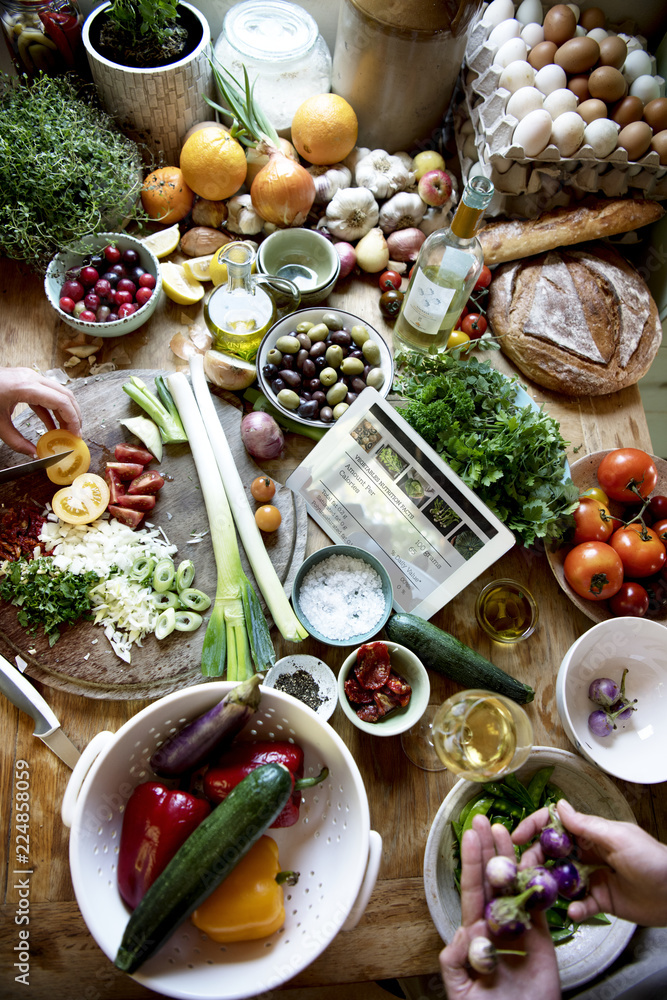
239	759
157	822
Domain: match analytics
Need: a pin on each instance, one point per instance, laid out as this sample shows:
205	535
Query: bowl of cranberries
107	286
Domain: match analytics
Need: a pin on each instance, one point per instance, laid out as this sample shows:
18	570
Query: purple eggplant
544	883
604	691
191	745
554	838
572	877
507	916
500	872
615	705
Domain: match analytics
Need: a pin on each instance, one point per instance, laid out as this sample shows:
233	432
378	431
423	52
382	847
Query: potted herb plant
150	63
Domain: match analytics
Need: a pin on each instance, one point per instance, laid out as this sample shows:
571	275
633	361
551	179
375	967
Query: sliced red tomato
135	501
640	549
126	470
132	453
64	472
132	518
626	474
146	482
116	487
632	600
82	501
592	521
594	570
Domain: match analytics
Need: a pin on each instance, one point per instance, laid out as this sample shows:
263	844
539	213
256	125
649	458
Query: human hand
633	883
534	974
45	397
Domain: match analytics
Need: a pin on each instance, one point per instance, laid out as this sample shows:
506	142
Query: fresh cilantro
46	596
513	457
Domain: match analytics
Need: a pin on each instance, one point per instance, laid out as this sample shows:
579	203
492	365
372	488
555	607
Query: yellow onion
257	159
283	191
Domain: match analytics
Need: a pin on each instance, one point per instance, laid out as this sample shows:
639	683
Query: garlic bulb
402	211
328	180
242	217
358	153
407	160
351	213
382	173
435	218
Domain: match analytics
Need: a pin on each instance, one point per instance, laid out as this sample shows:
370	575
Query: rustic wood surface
395	938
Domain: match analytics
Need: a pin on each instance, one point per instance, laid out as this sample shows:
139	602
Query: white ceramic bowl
411	669
637	750
67	259
321	673
305	257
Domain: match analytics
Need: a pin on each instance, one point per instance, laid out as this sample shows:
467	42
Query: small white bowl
412	670
321	673
305	257
637	749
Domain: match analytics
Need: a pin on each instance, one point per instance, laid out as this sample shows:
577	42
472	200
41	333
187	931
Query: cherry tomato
632	599
641	551
484	279
65	471
595	493
263	488
594	570
660	528
474	324
456	339
390	279
592	522
268	517
626	472
390	302
658	506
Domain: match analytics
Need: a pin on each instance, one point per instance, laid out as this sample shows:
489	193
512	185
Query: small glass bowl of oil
506	611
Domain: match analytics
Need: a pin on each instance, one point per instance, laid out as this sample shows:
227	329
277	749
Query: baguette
592	219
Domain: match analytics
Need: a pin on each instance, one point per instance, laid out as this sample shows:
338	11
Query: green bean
537	785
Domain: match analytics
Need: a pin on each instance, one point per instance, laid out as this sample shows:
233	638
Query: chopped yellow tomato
82	501
65	472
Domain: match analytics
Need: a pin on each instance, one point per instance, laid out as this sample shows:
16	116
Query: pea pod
537	785
480	808
517	791
469	804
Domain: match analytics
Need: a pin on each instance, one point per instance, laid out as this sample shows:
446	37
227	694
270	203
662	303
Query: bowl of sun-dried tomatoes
383	688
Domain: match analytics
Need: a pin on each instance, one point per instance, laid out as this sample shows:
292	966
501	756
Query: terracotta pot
155	106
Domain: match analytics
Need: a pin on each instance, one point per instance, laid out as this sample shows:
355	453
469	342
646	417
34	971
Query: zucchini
441	652
204	861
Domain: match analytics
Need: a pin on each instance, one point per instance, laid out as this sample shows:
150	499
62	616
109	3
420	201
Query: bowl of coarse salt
342	595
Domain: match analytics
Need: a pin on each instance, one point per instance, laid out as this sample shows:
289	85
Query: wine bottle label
428	302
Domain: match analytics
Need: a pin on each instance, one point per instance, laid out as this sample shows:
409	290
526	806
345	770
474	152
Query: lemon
217	272
179	286
199	268
164	242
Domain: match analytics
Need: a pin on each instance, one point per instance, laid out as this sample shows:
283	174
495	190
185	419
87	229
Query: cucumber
440	651
204	861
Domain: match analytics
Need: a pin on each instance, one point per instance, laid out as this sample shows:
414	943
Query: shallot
348	258
262	436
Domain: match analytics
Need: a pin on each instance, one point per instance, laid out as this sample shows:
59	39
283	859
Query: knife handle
27	698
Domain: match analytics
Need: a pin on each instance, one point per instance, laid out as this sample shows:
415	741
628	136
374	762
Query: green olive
351	366
304	326
359	334
336	393
328	376
289	399
274	356
318	332
288	345
375	378
332	321
371	351
334	355
339	409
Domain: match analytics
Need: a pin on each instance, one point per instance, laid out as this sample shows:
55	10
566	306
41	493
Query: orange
165	195
213	164
324	129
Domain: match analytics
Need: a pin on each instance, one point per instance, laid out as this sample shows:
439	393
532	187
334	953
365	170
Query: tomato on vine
627	474
632	600
456	339
594	570
390	302
390	279
639	548
595	493
660	528
592	521
474	324
484	279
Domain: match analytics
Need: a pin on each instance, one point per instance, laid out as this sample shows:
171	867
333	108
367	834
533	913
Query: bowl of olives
313	363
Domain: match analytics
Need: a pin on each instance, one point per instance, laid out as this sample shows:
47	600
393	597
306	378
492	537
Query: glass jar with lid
280	46
43	35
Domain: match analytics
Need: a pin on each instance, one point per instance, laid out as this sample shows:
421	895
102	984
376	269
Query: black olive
320	397
309	409
287	362
340	337
277	385
326	414
301	357
357	384
291	379
270	372
304	340
308	368
312	384
356	353
320	363
350	398
319	347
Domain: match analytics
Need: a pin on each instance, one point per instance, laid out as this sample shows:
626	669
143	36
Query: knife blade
27	698
25	468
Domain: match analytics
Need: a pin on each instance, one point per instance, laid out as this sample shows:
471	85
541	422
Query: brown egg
592	109
635	138
559	24
659	144
607	83
579	86
628	109
542	54
577	55
592	18
655	113
613	51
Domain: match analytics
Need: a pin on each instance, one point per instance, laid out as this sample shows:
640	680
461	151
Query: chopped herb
47	596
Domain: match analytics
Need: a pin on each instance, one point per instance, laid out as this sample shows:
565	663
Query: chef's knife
27	698
25	468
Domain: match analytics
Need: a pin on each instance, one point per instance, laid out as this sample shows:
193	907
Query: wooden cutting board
82	661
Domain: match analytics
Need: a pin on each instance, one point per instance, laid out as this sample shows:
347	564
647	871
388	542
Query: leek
162	410
277	602
237	632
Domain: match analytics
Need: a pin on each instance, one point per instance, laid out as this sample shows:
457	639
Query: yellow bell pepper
249	904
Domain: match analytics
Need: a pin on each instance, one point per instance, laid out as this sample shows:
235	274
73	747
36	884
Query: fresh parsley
46	596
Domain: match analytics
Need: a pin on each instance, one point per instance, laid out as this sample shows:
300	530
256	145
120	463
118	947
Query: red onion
262	436
404	244
348	258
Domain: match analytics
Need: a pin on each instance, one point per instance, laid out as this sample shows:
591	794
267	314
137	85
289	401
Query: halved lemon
179	286
164	242
83	501
199	268
218	268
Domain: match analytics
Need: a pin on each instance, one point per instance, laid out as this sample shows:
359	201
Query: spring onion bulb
285	620
237	632
161	410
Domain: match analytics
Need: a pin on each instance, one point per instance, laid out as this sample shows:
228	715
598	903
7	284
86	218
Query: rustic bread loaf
592	219
581	322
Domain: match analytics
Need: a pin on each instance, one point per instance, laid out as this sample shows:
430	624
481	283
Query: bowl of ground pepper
307	679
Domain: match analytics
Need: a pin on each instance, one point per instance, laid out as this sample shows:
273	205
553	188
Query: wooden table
396	937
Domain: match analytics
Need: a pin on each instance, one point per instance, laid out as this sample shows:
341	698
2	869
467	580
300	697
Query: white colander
332	846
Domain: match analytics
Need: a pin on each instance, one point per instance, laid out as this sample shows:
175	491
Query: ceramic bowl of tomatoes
383	688
615	562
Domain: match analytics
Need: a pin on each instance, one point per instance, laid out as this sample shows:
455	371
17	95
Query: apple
435	187
427	160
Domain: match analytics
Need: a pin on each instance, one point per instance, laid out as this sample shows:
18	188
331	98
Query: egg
532	34
602	135
659	144
559	24
646	88
607	83
550	78
613	51
579	32
577	55
560	101
523	101
503	32
517	74
637	63
567	133
530	11
533	132
512	50
579	86
628	109
592	18
655	113
597	35
635	138
575	9
542	54
591	110
497	11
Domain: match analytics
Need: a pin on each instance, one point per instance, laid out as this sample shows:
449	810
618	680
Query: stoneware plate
595	946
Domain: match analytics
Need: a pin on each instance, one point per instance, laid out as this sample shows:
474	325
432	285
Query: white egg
513	49
503	32
518	74
598	34
601	135
567	133
497	11
530	10
575	10
631	41
646	88
523	101
550	78
533	132
532	34
559	101
579	31
637	63
470	149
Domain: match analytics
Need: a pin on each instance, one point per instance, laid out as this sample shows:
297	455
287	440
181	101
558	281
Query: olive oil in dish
506	611
239	313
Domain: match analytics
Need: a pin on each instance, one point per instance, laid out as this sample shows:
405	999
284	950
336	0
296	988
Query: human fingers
454	961
14	439
472	878
44	415
502	840
531	826
47	395
594	834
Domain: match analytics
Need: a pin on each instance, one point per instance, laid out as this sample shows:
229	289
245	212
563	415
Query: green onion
285	620
162	411
165	624
237	631
164	575
185	574
142	568
195	600
168	599
187	621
